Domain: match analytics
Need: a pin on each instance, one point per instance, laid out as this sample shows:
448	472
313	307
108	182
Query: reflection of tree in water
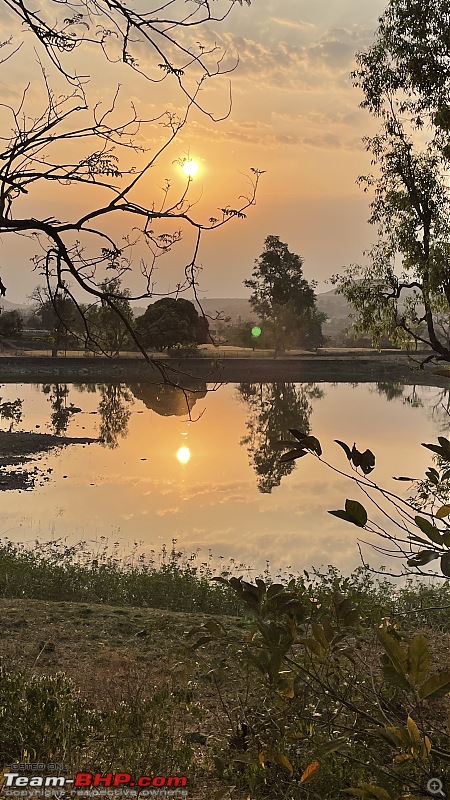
114	412
391	391
437	406
112	408
62	411
168	400
273	409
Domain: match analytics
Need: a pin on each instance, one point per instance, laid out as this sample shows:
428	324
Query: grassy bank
98	670
177	581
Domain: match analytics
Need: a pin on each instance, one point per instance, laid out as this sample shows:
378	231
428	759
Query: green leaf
298	434
314	646
345	610
332	747
442	512
367	461
282	759
445	565
428	529
418	660
357	512
422	558
436	686
319	634
274	589
394	651
345	448
370	792
312	443
354	513
443	450
292	455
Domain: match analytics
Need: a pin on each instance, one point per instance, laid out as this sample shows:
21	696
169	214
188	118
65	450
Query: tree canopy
283	298
169	323
404	288
11	323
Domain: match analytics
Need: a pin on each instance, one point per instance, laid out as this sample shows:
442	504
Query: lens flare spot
183	455
256	331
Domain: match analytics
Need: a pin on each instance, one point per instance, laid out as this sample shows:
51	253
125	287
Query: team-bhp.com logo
95	780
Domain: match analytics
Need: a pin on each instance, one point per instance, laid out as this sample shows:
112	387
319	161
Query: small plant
417	539
42	715
315	692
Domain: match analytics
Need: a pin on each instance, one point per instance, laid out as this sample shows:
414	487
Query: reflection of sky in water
141	492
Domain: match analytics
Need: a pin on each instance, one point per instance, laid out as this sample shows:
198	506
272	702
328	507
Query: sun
190	168
183	455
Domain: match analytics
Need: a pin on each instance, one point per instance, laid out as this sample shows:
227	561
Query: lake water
231	496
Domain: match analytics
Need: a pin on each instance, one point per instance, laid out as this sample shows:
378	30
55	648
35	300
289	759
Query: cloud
298	25
164	512
265	134
288	65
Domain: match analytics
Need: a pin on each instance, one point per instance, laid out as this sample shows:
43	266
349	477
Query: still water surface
215	482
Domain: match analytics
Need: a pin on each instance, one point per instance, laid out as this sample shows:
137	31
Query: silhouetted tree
403	290
169	323
284	299
60	315
86	140
11	324
107	330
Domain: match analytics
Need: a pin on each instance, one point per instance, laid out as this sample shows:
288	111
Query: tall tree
404	289
283	298
11	324
107	330
60	315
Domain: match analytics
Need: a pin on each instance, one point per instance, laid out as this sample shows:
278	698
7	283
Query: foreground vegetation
287	691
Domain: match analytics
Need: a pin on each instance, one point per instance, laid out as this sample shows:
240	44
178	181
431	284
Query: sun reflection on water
183	455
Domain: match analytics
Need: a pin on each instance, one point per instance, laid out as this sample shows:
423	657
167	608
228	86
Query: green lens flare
256	331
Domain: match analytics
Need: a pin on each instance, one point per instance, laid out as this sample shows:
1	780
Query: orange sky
295	114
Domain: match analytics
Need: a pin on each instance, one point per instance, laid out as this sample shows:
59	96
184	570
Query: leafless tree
76	144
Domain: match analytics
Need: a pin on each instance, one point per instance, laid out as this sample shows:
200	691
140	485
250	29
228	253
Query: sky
295	115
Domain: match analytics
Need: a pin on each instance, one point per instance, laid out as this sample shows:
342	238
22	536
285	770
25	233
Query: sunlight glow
190	168
183	455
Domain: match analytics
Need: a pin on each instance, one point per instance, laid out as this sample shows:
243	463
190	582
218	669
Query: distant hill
237	308
24	308
338	312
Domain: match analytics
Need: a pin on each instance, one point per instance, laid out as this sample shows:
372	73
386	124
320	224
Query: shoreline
312	368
